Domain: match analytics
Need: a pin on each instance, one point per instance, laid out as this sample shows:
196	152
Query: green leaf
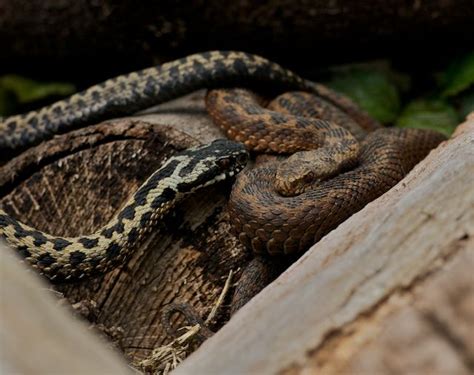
459	76
432	114
27	90
466	103
372	90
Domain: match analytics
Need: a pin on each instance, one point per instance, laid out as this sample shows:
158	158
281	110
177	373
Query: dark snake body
71	258
139	90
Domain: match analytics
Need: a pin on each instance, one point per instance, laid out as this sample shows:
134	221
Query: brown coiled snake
278	208
283	207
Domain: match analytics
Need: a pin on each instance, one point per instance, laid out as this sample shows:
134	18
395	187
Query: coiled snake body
283	207
265	218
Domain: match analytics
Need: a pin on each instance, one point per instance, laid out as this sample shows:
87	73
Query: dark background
88	40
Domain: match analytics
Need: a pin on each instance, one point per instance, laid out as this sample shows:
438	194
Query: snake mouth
224	176
289	188
234	172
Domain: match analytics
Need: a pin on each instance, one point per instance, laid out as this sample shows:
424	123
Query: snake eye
223	163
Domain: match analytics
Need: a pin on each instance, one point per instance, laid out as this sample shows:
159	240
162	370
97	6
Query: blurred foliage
380	90
466	103
433	114
16	90
6	102
372	90
458	77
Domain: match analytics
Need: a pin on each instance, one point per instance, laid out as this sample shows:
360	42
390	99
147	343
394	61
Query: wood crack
445	333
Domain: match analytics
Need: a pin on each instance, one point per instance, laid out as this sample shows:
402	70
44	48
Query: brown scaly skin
257	274
270	222
328	147
336	151
305	104
68	258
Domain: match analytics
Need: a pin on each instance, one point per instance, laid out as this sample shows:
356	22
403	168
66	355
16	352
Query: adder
354	173
285	206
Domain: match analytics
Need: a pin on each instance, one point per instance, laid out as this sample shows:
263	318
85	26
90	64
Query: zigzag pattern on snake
336	151
69	258
283	207
139	90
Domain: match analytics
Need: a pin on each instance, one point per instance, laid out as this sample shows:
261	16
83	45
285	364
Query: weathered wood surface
332	311
391	290
39	337
76	182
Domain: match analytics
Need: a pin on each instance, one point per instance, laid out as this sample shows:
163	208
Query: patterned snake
139	90
65	258
283	207
337	151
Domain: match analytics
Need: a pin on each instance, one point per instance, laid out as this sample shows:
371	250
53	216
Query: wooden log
37	336
390	290
76	182
342	293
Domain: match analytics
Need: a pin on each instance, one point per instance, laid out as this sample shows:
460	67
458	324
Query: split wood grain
37	336
301	322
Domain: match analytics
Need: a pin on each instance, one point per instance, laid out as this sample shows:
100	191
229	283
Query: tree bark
389	291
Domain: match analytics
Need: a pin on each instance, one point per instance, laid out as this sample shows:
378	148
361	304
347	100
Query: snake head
208	164
302	171
228	157
293	179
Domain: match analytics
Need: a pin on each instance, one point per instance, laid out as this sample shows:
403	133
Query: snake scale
69	258
339	165
283	207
